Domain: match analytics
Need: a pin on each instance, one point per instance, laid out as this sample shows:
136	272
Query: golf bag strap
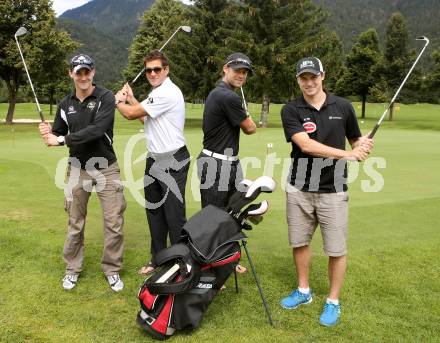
173	252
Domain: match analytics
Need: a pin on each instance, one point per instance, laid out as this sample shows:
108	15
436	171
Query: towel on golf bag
212	235
189	274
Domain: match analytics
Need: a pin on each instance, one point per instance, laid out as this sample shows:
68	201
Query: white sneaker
115	282
69	281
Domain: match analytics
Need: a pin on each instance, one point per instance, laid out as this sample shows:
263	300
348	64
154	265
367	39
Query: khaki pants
305	210
108	186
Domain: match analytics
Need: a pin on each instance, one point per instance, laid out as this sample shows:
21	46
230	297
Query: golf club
183	28
373	132
20	32
244	102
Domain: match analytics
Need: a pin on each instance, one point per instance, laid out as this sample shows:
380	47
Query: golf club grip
41	116
373	132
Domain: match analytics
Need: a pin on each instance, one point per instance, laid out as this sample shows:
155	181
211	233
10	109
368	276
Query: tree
332	57
358	77
396	56
275	34
432	81
158	23
44	46
212	22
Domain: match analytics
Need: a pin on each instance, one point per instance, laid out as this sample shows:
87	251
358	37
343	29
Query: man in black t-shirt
224	116
317	125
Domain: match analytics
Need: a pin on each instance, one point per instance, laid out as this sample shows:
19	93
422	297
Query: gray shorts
305	210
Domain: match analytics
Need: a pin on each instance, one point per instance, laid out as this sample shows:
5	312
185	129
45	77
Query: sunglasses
157	70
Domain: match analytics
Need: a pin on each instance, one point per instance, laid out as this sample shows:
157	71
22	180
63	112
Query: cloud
60	6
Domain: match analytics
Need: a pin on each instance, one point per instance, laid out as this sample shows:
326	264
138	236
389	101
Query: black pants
218	180
164	190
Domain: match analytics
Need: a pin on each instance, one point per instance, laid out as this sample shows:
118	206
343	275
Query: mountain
106	29
109	54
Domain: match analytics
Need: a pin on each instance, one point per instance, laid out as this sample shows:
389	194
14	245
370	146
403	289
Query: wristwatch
60	140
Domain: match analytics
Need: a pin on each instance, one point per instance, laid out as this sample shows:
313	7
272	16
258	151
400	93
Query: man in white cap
84	123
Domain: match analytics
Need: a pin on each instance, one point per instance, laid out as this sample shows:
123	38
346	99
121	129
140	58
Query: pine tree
276	34
332	57
44	46
211	42
158	23
358	77
396	56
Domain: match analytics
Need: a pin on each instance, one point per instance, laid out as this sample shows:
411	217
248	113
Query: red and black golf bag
189	274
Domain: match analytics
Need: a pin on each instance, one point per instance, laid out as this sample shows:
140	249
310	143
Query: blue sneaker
296	298
330	314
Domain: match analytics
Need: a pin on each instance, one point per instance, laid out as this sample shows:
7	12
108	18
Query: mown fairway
392	288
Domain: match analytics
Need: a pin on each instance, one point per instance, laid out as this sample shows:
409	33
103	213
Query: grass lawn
391	292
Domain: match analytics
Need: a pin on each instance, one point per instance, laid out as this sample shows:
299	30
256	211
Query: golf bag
189	275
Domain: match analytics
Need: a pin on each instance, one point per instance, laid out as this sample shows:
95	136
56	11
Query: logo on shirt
333	117
71	110
149	100
309	126
91	105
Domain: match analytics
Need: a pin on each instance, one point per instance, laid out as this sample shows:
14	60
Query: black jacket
87	126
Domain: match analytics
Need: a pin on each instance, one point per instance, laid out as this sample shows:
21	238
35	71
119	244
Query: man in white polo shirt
163	114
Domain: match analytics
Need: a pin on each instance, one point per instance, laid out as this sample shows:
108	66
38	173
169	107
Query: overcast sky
61	6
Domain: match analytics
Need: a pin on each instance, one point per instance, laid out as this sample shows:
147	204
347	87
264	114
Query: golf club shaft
30	81
163	46
244	102
376	127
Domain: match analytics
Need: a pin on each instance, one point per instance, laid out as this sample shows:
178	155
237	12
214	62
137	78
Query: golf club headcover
254	210
258	209
240	199
263	184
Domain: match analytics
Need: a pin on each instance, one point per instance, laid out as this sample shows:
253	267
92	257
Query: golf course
391	290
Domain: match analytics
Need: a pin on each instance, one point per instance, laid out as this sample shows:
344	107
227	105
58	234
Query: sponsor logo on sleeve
309	126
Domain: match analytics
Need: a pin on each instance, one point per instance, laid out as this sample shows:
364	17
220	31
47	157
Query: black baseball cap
237	60
309	65
81	61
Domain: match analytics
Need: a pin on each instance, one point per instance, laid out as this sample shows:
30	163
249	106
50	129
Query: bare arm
129	106
311	147
248	126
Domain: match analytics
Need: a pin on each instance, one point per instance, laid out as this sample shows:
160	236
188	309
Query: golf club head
255	219
20	32
246	226
186	28
423	38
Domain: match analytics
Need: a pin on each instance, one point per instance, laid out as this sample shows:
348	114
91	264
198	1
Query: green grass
391	292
